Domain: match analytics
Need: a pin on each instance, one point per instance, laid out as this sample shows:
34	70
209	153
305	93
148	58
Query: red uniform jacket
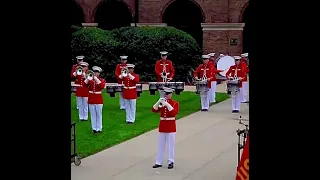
167	118
245	70
118	72
238	69
81	88
74	68
204	68
129	87
95	94
159	69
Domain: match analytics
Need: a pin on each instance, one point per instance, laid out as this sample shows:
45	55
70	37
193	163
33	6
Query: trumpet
124	72
162	100
90	75
79	70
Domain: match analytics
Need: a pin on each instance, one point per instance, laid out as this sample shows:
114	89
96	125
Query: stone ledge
90	24
222	26
150	24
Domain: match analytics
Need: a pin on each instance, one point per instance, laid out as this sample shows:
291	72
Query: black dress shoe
202	109
94	131
129	122
170	166
205	110
234	111
156	166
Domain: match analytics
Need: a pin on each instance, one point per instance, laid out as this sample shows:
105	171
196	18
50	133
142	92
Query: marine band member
244	89
212	91
95	101
204	72
118	71
168	109
130	93
74	68
236	71
164	70
82	92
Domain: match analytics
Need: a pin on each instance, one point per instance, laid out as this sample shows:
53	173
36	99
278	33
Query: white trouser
77	101
96	116
161	92
169	139
236	101
122	104
212	92
130	105
83	107
243	91
204	97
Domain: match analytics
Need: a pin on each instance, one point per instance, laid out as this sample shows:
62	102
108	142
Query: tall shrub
142	45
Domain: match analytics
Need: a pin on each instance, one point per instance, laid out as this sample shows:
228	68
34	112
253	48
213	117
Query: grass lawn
115	129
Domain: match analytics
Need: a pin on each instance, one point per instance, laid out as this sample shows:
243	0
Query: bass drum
224	64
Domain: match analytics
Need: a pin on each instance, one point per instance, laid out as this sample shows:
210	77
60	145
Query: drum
139	89
160	85
179	87
224	64
233	87
171	85
118	88
110	89
202	87
153	88
73	89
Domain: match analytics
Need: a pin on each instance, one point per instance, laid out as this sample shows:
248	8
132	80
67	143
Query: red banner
243	168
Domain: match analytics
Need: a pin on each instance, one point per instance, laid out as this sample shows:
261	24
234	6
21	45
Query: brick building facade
219	27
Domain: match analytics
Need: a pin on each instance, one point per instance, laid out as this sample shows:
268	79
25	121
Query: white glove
74	74
86	81
97	80
170	108
131	77
156	105
120	76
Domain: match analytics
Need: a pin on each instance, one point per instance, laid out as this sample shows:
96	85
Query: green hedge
141	44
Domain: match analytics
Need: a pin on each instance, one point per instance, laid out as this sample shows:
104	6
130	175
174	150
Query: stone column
85	25
225	38
149	24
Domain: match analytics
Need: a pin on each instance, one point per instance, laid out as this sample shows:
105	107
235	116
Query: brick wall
214	11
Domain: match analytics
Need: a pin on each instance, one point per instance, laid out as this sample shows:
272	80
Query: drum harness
164	73
204	77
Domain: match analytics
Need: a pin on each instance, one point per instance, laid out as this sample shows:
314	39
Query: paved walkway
206	149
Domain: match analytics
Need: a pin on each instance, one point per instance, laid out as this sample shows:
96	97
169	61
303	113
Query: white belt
76	85
132	87
91	92
169	118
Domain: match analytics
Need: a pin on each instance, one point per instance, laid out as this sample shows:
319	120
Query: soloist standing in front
168	109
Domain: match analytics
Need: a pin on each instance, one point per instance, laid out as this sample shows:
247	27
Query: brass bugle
90	75
163	99
124	72
79	70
